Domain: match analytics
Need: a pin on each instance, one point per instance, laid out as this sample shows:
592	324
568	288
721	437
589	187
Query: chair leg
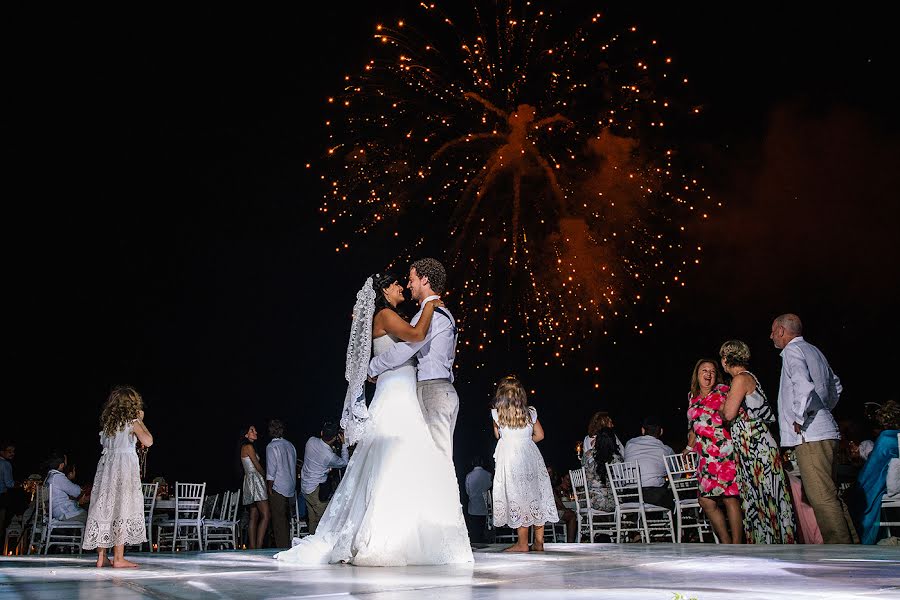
680	524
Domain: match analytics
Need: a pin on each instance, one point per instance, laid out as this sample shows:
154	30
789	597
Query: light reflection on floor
629	571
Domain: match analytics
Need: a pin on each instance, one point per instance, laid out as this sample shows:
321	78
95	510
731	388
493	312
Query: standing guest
650	453
872	481
478	481
254	489
711	440
523	496
319	458
808	392
116	513
566	515
607	451
595	474
768	515
66	493
281	461
7	483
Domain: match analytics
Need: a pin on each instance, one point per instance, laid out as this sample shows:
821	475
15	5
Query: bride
398	503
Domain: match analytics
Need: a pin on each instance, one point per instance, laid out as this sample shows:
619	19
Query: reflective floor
702	571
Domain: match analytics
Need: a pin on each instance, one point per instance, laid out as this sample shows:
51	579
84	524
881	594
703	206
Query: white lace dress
522	494
398	502
116	513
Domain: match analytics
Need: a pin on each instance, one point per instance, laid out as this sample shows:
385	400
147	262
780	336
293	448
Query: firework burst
532	148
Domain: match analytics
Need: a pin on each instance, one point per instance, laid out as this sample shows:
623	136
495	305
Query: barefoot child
116	514
523	496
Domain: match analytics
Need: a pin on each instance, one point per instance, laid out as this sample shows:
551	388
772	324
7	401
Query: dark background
160	228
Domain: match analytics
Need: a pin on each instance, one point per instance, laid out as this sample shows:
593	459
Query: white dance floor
702	571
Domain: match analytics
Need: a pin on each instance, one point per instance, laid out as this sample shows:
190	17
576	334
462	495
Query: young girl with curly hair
116	514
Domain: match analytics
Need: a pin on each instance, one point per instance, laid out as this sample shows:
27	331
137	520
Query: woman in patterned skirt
116	514
768	514
711	440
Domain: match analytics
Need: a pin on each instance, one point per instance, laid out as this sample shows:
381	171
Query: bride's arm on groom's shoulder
395	325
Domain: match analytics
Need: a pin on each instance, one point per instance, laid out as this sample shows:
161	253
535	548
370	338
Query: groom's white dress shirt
435	353
808	392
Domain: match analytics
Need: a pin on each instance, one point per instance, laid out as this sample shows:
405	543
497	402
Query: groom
437	396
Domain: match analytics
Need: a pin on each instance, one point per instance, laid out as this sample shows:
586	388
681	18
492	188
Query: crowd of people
762	478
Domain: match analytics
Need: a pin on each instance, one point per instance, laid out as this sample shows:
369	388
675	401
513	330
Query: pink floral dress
716	469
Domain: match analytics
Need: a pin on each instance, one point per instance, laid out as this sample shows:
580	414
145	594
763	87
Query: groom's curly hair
434	271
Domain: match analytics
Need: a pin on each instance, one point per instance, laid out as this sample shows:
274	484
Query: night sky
161	228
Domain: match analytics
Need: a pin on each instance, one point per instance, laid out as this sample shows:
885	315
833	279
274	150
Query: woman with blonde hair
116	514
522	493
766	502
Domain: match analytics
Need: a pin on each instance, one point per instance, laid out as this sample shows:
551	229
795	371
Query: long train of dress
398	503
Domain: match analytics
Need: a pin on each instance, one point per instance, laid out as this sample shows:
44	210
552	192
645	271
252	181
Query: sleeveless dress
717	467
768	513
254	488
116	513
398	502
522	493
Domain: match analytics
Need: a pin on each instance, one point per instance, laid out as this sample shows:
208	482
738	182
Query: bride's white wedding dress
398	503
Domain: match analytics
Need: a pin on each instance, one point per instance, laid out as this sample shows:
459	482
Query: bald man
808	392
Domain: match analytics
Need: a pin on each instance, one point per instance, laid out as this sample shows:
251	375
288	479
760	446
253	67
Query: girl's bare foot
123	564
516	548
103	562
537	547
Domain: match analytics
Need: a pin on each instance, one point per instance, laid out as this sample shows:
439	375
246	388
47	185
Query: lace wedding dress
116	512
398	503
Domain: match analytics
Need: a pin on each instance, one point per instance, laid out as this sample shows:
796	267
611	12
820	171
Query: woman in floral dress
768	513
711	440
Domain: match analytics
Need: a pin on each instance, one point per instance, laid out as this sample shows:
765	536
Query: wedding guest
116	513
606	451
478	481
711	440
254	489
281	461
520	476
872	481
650	453
7	483
809	390
768	514
319	458
66	493
596	484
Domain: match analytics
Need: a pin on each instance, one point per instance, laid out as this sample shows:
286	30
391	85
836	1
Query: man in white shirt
65	492
650	453
478	481
808	392
7	483
319	459
435	354
281	479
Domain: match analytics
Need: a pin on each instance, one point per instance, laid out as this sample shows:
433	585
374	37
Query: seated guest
318	460
650	453
65	492
606	452
566	515
865	500
7	483
478	481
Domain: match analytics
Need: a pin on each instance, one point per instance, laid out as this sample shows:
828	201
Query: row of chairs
215	523
632	514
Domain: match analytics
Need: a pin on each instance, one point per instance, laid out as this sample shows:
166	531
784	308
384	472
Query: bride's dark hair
380	282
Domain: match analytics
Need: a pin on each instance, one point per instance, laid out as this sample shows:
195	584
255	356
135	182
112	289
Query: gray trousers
440	407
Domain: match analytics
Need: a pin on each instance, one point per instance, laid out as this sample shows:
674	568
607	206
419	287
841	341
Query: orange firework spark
534	154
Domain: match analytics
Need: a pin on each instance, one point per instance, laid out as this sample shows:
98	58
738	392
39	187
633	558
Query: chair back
148	490
625	482
209	506
579	486
189	501
489	503
233	503
682	472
